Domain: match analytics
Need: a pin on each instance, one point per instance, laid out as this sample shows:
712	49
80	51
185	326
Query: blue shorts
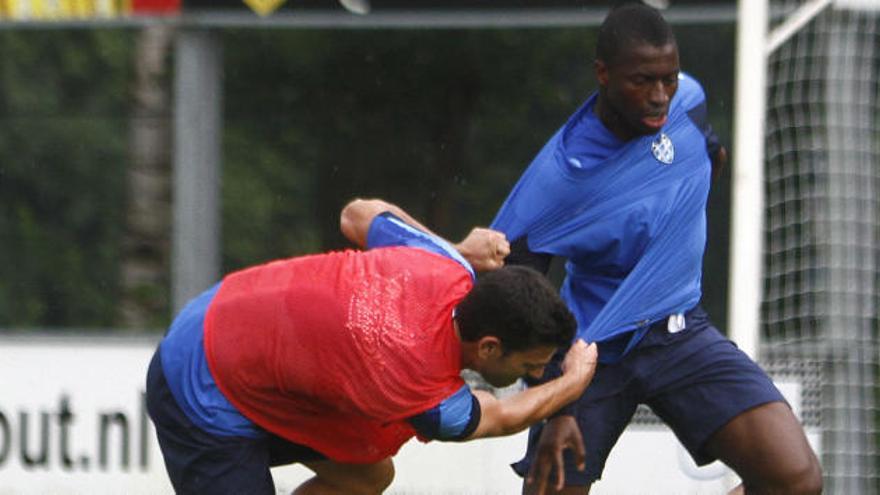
199	462
695	380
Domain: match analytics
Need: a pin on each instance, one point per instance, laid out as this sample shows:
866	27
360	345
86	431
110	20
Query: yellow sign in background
62	9
264	7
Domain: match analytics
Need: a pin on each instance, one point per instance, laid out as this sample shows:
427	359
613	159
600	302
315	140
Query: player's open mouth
655	122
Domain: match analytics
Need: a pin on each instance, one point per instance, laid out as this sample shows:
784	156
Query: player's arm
483	248
358	215
699	115
719	161
515	413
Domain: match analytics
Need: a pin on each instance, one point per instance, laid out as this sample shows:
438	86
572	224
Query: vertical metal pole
747	189
197	156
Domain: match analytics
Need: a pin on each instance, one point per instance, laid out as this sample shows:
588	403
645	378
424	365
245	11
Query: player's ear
489	346
601	69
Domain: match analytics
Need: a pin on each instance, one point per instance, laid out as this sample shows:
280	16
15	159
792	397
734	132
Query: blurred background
440	121
147	147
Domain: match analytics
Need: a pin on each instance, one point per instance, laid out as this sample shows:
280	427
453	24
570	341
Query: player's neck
612	120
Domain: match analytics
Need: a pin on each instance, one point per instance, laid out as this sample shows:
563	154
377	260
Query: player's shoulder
690	92
427	260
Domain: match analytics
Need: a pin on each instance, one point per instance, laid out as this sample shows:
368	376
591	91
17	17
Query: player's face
635	91
505	369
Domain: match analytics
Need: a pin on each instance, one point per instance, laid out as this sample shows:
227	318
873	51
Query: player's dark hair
631	23
519	306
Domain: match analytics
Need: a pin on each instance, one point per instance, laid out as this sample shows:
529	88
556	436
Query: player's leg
568	490
722	405
333	478
602	414
197	461
768	449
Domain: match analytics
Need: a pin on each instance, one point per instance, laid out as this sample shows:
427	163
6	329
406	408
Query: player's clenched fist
580	362
485	249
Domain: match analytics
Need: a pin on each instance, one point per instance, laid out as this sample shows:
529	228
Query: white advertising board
72	421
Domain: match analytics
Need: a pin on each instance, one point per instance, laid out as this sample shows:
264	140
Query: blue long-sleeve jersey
629	217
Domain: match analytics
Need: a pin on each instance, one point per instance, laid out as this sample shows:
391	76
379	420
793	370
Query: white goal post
804	294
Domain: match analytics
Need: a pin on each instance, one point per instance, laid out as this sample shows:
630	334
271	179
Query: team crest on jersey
662	149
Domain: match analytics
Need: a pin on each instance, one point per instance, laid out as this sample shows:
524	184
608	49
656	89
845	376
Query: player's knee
377	480
385	478
807	476
801	478
809	481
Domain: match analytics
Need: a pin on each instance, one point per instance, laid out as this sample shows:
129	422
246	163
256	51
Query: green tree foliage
441	122
62	161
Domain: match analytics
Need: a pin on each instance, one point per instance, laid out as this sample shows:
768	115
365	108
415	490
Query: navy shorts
695	380
199	462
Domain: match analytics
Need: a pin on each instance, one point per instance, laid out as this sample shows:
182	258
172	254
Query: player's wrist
566	411
463	250
572	387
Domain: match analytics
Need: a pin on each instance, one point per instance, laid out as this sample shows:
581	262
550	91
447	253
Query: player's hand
719	163
485	249
559	434
580	363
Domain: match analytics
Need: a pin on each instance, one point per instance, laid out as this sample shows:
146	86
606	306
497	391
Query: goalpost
805	257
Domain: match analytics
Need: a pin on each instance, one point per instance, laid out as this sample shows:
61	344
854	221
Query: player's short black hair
519	306
631	23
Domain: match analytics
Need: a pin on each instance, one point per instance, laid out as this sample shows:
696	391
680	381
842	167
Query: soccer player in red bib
336	360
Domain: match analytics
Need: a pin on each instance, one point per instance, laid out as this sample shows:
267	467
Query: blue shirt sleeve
694	100
455	418
388	230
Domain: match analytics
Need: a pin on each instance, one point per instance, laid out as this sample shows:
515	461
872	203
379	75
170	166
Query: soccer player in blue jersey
620	192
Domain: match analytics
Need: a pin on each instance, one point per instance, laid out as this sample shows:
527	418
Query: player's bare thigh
568	490
767	447
350	479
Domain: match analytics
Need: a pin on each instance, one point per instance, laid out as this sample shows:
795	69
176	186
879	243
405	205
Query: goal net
821	275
